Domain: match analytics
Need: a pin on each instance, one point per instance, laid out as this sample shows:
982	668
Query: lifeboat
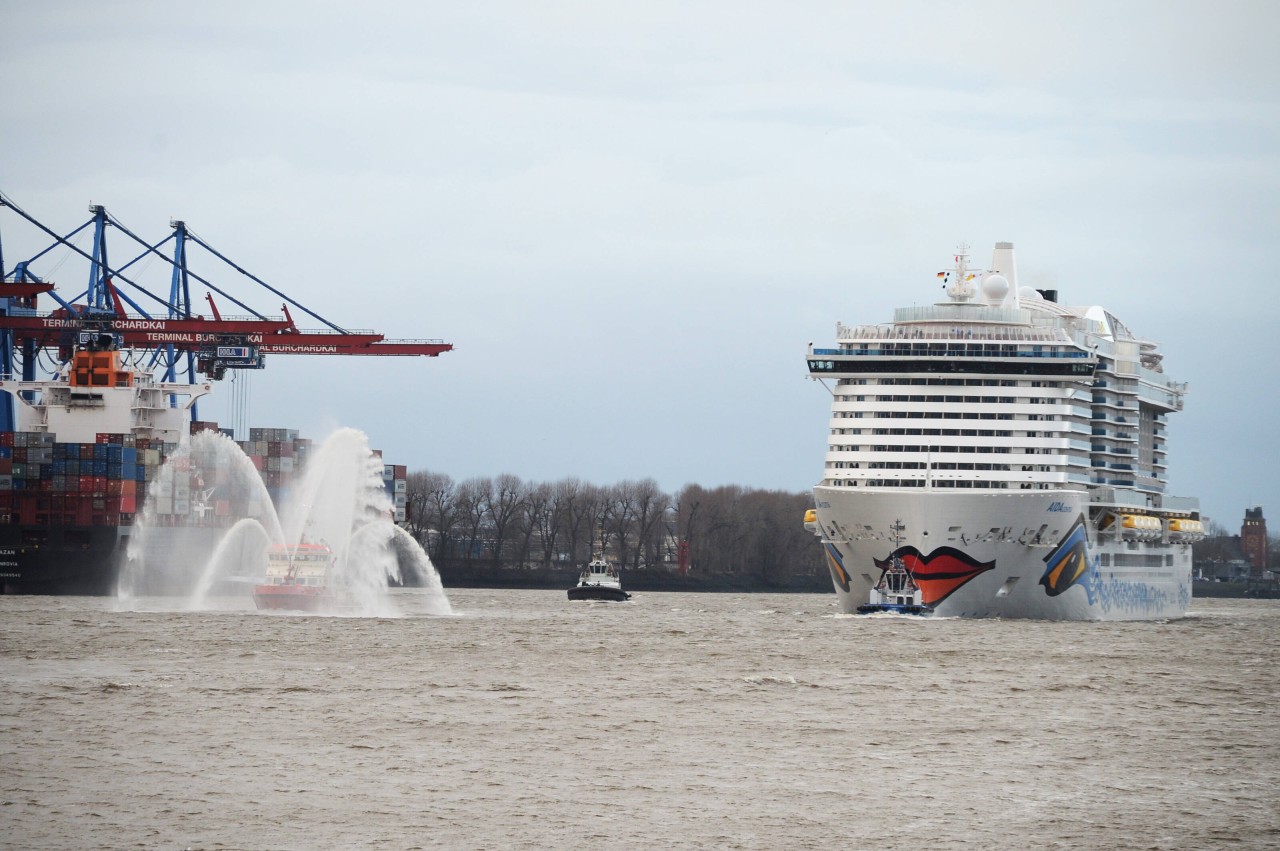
1140	527
1185	530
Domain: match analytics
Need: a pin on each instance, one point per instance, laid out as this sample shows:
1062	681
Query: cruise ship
1008	452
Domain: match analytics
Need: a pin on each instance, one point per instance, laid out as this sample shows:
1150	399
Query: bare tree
433	501
416	521
755	534
505	501
472	508
651	505
1217	545
619	521
584	508
534	522
549	514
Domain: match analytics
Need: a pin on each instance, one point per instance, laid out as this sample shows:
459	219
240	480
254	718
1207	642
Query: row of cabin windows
920	465
968	450
920	483
985	400
948	382
925	415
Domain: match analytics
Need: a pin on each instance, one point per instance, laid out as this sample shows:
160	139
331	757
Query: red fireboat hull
294	598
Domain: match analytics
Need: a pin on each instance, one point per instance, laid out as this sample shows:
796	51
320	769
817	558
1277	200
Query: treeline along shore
504	532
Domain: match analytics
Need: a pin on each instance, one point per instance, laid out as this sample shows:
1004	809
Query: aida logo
1059	506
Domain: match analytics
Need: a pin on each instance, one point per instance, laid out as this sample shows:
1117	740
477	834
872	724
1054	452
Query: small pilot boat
599	581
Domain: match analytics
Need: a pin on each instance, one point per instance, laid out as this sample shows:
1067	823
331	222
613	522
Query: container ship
82	449
91	441
999	454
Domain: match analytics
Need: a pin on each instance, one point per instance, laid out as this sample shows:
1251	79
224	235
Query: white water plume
339	502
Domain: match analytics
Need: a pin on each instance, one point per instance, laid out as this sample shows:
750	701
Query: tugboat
897	592
299	580
599	581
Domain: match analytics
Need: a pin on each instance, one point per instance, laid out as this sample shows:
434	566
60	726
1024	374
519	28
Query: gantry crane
168	334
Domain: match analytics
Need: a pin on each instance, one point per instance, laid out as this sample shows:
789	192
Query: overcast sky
630	219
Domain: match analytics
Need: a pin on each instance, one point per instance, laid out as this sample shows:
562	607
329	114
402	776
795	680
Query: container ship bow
1005	451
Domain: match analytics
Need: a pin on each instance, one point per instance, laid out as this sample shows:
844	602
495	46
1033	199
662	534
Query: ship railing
920	351
955	332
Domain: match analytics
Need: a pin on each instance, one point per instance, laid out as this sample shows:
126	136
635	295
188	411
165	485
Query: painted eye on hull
836	563
1069	561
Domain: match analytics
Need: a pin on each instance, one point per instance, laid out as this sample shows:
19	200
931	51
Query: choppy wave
688	721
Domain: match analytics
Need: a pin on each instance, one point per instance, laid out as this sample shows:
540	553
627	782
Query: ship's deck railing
953	332
916	352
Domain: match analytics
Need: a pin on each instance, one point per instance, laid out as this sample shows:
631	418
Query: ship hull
295	598
598	592
1007	556
61	559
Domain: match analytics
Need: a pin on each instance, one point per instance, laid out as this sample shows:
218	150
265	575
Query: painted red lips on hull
938	574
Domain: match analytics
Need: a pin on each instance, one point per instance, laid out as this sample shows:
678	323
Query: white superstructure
1020	446
99	390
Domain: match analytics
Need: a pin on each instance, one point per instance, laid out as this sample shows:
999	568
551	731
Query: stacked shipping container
396	479
44	482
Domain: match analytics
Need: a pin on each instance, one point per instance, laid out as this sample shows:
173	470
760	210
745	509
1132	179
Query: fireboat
300	580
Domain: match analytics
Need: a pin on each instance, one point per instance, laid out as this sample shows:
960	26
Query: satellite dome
1029	293
995	287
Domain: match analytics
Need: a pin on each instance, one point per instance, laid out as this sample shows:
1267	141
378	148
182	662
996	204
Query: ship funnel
1002	263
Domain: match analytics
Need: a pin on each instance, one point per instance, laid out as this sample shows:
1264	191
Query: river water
674	720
